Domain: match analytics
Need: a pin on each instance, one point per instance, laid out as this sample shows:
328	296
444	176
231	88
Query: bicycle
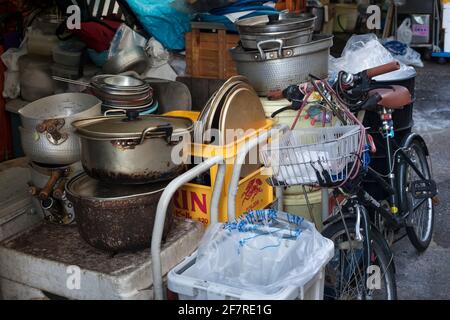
361	249
411	189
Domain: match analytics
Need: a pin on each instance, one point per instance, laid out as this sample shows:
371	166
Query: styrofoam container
189	288
17	213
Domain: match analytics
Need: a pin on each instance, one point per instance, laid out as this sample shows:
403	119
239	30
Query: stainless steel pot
116	217
128	59
250	41
121	150
46	134
276	69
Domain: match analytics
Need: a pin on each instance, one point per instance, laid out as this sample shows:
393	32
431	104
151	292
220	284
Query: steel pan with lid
124	150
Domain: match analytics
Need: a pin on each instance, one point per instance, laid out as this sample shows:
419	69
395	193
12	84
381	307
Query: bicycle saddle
394	98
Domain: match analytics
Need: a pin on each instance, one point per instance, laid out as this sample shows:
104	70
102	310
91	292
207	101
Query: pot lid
277	22
120	127
84	187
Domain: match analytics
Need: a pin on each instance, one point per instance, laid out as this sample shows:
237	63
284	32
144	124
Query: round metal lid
119	127
277	22
84	187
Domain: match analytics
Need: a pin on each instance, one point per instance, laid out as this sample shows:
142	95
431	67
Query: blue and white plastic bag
264	251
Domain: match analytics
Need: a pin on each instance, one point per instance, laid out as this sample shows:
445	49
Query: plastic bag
11	87
363	52
125	37
11	57
404	53
263	251
404	32
166	20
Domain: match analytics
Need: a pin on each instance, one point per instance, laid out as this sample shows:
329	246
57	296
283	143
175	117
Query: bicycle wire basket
313	155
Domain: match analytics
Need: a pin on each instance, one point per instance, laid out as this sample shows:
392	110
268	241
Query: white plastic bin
446	18
447	41
189	288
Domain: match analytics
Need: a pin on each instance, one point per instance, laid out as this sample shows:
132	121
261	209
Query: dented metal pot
46	133
121	150
116	218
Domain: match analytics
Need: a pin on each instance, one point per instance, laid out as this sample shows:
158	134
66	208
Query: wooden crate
292	5
207	51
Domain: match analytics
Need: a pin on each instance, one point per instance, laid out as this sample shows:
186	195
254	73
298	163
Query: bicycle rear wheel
420	221
349	276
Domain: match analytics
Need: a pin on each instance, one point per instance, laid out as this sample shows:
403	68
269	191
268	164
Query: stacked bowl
120	92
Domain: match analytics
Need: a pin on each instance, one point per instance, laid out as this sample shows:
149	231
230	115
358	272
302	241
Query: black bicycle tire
420	245
387	265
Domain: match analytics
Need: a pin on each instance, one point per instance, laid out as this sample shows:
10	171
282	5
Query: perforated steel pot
275	69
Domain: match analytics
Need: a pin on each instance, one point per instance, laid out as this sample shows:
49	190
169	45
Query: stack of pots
128	162
120	92
279	50
54	150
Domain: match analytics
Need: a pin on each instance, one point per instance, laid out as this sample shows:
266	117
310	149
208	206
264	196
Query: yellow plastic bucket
297	205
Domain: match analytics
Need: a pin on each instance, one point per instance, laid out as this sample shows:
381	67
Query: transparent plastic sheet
125	37
363	52
263	251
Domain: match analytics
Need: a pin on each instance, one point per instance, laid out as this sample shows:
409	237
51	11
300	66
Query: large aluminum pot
46	134
119	150
42	149
116	217
276	69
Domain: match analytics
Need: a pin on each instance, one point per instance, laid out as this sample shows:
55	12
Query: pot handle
108	112
52	128
166	128
261	50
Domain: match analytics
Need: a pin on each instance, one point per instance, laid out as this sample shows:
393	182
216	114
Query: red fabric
5	123
97	36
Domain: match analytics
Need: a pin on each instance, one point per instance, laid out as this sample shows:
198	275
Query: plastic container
69	53
346	17
447	40
193	200
98	58
63	71
287	117
189	288
297	205
446	18
41	44
36	77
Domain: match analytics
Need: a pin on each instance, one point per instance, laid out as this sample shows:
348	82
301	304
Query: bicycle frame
393	215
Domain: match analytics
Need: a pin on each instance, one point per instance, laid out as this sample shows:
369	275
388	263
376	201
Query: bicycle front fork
388	134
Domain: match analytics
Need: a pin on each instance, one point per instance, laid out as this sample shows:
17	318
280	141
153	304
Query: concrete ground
427	275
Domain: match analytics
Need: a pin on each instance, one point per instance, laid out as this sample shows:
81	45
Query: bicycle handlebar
385	68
